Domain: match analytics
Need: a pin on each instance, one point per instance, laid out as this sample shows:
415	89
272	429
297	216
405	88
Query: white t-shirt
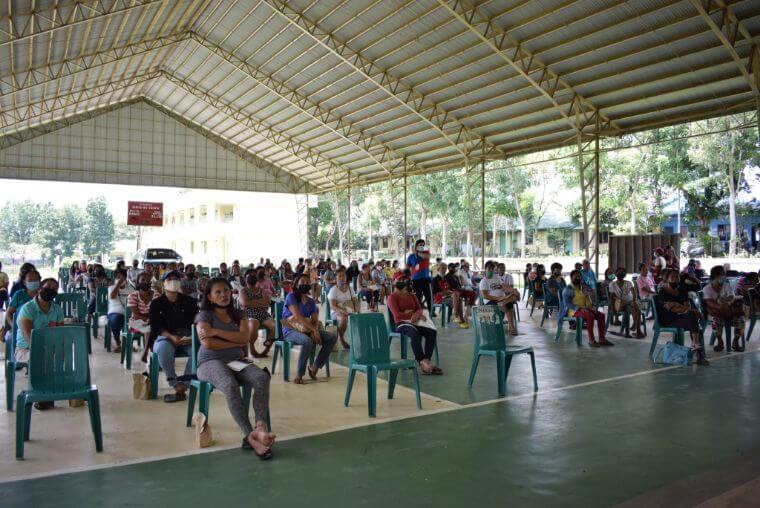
492	285
624	293
709	293
507	280
118	304
342	297
465	279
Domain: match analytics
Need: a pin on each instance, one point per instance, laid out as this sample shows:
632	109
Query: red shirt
400	303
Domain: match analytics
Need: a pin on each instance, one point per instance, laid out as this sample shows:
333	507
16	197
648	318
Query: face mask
489	274
33	286
261	276
144	286
576	282
611	277
100	274
674	284
621	277
304	289
721	280
400	285
420	248
250	280
172	286
48	294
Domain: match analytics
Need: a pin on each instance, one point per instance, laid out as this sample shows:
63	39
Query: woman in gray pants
224	335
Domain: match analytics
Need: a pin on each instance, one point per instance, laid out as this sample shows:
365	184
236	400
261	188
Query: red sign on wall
142	213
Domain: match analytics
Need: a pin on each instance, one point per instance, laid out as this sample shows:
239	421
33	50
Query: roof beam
458	135
288	144
58	15
71	66
728	33
579	114
325	116
29	111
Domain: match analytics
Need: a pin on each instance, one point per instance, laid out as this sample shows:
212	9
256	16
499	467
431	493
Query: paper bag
203	436
140	386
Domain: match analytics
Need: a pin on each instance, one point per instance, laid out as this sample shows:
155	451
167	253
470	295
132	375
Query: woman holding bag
342	303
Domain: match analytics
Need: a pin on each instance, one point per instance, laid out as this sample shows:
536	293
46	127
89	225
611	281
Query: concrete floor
606	427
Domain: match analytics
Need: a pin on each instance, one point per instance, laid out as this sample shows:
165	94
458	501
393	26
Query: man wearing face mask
495	292
40	312
419	264
576	302
554	285
724	308
31	285
171	321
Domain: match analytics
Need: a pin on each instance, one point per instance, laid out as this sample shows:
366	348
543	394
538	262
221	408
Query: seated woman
623	298
139	304
328	277
407	315
538	285
254	300
368	290
117	301
223	336
40	312
724	307
495	293
460	303
300	325
342	303
675	311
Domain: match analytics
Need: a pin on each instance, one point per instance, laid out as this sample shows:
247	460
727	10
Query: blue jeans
116	323
303	340
166	352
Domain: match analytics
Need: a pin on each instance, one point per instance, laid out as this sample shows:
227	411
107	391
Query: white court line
376	421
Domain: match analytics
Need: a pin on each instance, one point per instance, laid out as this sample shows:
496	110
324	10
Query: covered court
309	97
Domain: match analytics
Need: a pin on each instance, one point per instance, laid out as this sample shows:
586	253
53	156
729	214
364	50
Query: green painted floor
588	438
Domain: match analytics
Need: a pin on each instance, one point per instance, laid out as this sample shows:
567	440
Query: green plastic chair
488	339
283	346
547	308
402	338
753	297
75	307
127	338
579	322
11	365
215	272
204	271
64	277
658	328
101	309
59	370
202	389
371	353
625	323
326	310
535	299
154	368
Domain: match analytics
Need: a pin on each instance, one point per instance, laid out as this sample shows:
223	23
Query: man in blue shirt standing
418	262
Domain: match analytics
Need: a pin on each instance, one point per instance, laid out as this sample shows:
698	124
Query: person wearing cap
171	320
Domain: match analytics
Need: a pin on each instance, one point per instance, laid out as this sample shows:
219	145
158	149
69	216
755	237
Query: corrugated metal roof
372	88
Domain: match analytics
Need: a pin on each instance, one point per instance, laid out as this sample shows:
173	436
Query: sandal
298	380
312	373
263	456
268	343
174	397
736	347
718	347
437	371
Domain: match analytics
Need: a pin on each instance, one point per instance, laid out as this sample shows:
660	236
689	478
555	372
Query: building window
203	213
182	218
604	237
191	216
204	246
192	247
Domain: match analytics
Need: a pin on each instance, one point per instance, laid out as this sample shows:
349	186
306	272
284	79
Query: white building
209	227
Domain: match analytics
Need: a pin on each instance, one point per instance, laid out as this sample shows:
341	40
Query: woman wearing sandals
255	301
223	335
407	314
300	326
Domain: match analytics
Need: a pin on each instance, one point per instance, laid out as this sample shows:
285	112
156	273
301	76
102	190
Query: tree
98	232
18	223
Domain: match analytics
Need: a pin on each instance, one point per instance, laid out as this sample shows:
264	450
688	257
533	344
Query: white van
155	256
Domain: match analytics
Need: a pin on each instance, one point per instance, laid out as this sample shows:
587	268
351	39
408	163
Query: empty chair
370	353
488	339
59	369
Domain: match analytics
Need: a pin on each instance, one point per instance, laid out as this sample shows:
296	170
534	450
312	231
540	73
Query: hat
659	251
171	273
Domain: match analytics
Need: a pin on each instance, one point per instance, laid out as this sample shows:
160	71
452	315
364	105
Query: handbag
674	354
140	386
203	436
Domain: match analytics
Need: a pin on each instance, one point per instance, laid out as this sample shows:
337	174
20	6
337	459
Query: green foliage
98	232
18	222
